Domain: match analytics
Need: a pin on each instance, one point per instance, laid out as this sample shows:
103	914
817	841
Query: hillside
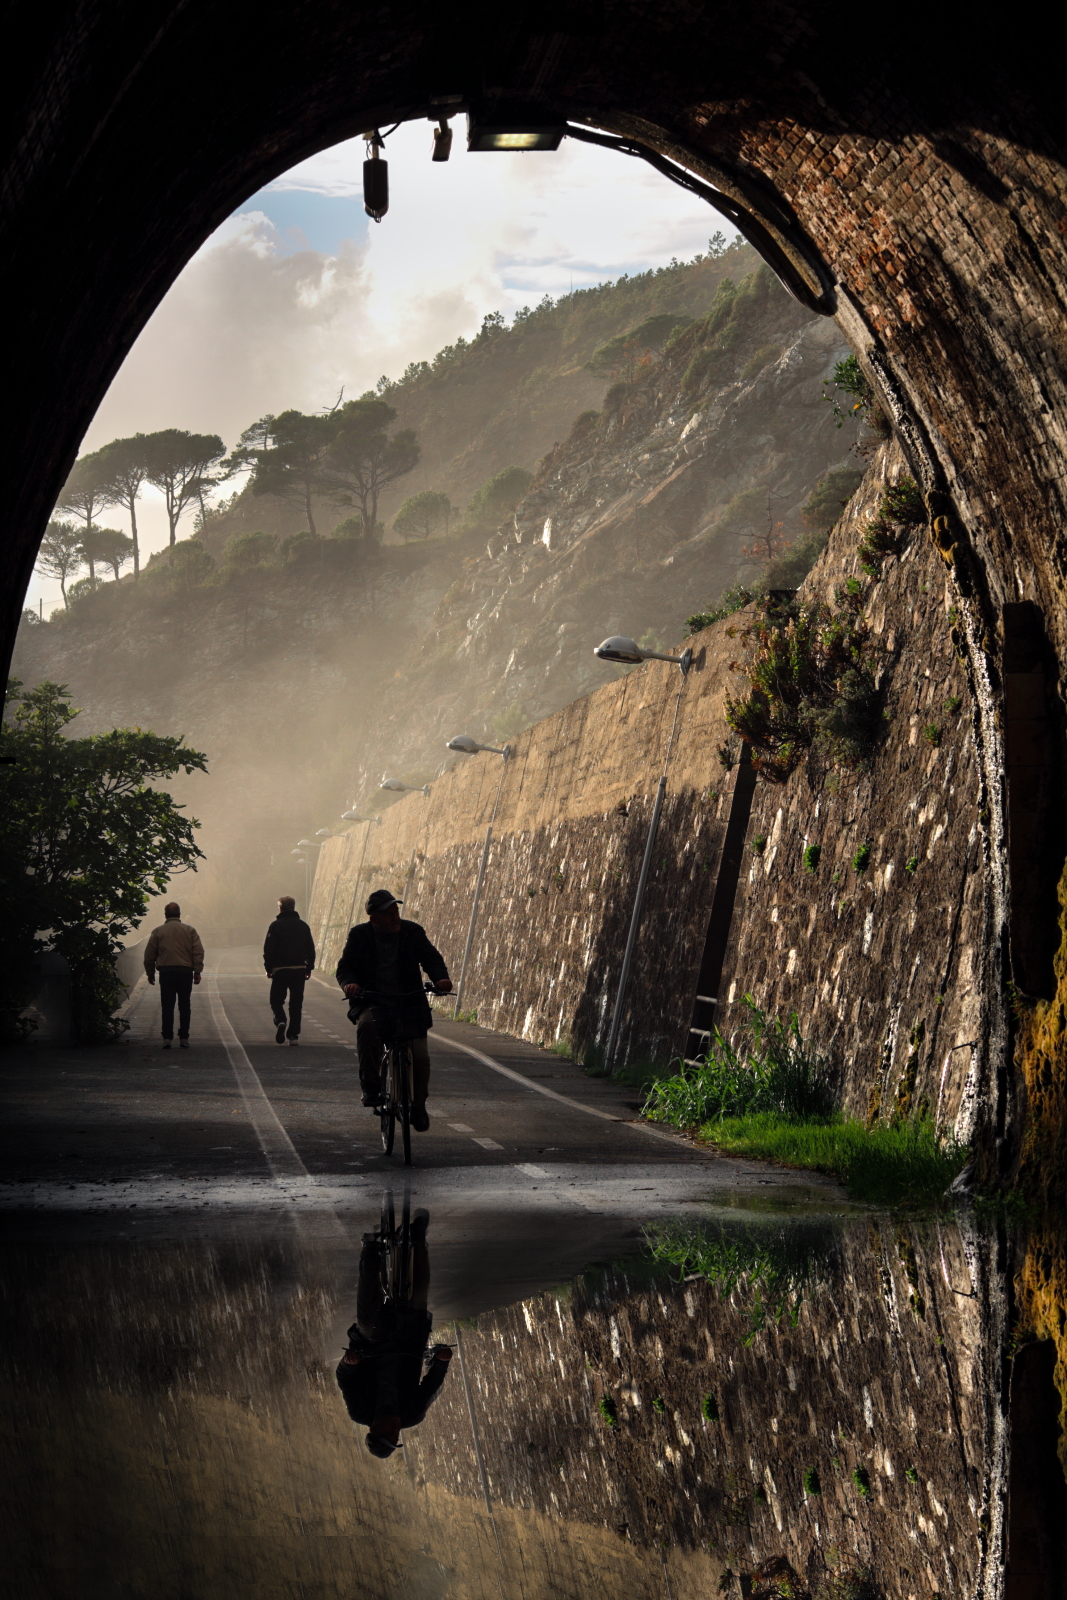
505	397
306	678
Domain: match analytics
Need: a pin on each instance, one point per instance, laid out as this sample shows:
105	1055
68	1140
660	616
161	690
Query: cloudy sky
299	294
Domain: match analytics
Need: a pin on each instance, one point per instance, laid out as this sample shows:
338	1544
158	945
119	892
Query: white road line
489	1144
460	1127
517	1077
530	1170
277	1147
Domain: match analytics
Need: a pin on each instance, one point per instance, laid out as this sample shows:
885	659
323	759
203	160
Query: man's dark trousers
288	980
175	983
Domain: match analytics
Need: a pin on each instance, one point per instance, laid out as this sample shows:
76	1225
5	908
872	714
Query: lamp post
619	648
470	747
302	857
309	844
352	815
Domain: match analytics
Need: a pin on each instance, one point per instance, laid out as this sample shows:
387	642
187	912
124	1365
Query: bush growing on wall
808	682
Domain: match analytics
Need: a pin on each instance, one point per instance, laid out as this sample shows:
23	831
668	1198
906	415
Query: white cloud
258	321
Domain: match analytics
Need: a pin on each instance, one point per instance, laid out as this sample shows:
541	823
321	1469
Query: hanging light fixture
442	141
375	178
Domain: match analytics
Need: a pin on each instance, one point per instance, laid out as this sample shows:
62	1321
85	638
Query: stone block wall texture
884	968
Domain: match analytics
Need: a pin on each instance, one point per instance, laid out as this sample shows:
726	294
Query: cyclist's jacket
386	1382
414	955
288	943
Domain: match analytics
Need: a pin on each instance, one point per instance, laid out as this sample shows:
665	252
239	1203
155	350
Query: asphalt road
530	1169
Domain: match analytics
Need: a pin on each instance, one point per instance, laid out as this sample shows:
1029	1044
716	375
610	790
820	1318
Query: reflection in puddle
754	1405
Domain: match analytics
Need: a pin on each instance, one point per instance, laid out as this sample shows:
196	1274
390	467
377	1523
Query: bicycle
397	1251
396	1069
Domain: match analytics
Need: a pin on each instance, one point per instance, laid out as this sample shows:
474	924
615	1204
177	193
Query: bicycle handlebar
412	994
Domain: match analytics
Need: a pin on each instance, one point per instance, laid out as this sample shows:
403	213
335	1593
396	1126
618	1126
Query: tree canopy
362	458
498	496
179	463
60	555
422	514
286	455
87	838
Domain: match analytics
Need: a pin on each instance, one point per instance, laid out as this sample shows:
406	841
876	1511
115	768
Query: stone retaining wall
885	967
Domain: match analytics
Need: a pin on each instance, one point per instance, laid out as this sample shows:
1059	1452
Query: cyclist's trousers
369	1047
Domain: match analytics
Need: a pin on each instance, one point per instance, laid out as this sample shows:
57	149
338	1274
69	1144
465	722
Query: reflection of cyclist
379	1373
385	954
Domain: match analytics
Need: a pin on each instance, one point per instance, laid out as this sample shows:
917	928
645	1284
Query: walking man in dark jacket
389	956
289	957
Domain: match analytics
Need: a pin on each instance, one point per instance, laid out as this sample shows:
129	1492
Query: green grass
905	1163
767	1092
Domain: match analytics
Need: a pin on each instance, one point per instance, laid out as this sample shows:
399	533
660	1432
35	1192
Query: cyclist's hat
381	900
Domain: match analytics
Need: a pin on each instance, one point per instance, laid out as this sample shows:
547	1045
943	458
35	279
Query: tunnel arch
915	167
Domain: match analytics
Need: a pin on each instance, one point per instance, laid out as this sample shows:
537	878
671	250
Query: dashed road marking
488	1144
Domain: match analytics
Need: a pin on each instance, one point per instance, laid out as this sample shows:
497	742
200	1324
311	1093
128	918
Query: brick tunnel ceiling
920	164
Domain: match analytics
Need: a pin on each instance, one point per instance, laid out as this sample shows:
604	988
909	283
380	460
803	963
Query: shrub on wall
808	682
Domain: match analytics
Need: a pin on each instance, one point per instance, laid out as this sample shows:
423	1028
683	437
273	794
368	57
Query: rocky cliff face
306	682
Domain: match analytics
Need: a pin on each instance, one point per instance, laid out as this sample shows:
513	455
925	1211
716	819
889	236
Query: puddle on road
745	1404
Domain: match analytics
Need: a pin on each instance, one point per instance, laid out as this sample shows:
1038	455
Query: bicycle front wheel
388	1126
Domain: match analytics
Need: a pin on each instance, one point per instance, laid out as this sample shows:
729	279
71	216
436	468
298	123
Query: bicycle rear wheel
404	1054
388	1113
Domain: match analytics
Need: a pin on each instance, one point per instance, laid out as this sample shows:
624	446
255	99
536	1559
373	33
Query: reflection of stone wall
891	1369
887	967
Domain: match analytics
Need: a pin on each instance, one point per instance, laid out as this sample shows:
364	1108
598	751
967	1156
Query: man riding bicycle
384	955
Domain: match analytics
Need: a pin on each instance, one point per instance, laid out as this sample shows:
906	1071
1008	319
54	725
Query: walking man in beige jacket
175	952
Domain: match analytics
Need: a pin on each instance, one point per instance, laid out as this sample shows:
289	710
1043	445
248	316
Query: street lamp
470	747
395	786
354	816
619	648
628	651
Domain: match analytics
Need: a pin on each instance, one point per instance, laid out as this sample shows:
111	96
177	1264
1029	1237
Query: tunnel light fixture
306	843
324	833
470	747
442	141
375	178
395	786
629	652
512	128
354	816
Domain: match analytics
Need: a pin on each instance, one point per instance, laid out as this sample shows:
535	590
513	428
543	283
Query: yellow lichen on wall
1041	1291
1041	1057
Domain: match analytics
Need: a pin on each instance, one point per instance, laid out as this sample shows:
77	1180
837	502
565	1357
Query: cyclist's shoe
420	1119
372	1098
